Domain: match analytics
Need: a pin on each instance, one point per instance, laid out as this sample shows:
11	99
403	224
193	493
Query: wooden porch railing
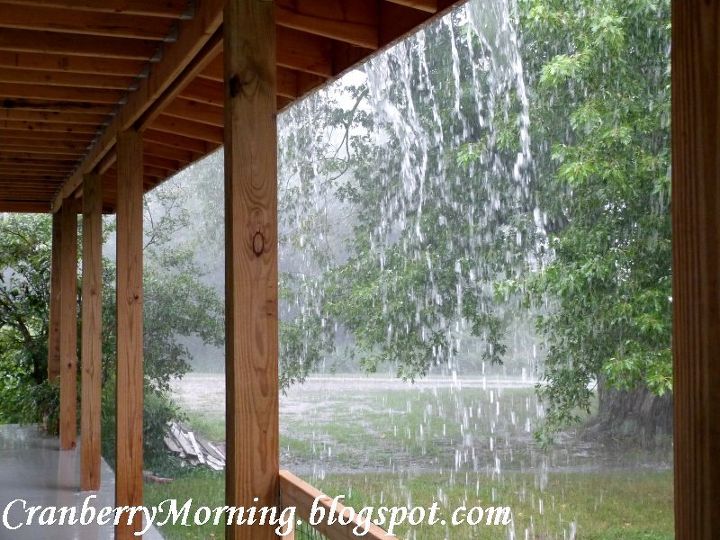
301	495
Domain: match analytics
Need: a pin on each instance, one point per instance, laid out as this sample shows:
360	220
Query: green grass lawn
437	438
614	506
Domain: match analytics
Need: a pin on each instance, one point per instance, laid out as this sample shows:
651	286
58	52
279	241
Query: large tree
600	127
485	168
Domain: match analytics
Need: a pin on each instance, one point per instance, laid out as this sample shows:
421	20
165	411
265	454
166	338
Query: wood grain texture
296	493
251	261
91	381
54	308
68	326
163	8
696	266
83	22
129	404
193	35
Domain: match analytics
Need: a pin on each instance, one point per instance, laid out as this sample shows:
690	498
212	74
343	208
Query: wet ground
335	424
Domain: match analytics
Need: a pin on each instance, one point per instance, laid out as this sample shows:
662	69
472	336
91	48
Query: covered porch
33	469
103	101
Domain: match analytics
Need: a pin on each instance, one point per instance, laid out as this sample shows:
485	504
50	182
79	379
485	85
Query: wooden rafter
56	62
77	45
429	6
164	8
59	117
193	35
74	80
85	23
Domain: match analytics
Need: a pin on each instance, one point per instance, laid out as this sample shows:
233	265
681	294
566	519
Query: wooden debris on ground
193	448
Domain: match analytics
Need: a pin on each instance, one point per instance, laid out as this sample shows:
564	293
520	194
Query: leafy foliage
601	133
176	303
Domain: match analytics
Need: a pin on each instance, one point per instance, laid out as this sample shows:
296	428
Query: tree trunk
636	414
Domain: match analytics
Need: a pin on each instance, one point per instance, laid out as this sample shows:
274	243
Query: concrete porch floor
33	468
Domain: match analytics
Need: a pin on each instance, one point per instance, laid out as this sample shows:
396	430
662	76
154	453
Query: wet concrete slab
33	469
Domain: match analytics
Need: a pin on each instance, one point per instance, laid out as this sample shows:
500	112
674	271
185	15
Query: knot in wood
258	244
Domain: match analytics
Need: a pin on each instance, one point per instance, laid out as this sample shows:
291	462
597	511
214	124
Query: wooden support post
129	402
252	476
91	333
68	326
696	266
54	323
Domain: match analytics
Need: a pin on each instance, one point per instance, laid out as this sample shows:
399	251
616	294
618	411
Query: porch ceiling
74	73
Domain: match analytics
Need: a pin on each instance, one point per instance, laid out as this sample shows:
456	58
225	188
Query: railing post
251	261
696	266
129	392
91	333
68	326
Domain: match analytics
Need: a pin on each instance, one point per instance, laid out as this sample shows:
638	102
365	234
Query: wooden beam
47	127
34	166
188	128
168	152
85	23
252	421
54	309
173	140
304	52
166	8
209	51
32	207
91	334
31	176
162	163
22	150
129	399
77	45
355	33
72	64
61	93
193	35
428	6
31	135
205	91
696	266
68	326
194	110
12	156
56	106
54	117
62	78
40	145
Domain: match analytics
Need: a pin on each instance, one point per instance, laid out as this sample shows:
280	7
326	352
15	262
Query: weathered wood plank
91	382
696	266
68	326
129	404
251	261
